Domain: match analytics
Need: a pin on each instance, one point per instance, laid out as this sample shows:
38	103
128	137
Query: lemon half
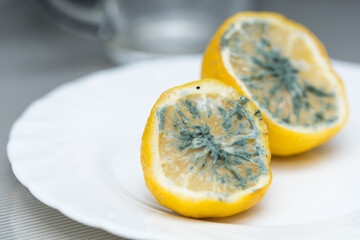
205	150
284	69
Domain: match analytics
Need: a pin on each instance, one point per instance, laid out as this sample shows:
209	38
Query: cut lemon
205	150
284	69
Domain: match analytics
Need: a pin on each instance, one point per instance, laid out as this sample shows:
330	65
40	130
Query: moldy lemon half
284	69
205	150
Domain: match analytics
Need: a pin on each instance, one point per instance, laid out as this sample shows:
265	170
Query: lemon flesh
280	72
211	143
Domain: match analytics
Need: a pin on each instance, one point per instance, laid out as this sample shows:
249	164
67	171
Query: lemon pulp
211	143
280	72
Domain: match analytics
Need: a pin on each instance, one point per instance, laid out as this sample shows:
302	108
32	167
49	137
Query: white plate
77	150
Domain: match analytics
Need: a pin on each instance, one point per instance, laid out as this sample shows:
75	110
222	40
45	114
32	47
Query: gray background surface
36	56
